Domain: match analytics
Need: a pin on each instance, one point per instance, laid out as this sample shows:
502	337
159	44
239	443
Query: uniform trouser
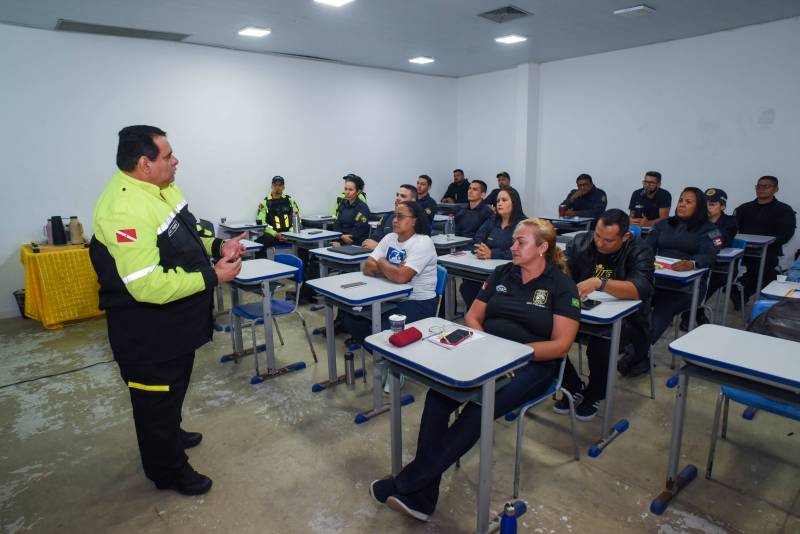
667	304
750	278
157	391
414	310
440	444
469	290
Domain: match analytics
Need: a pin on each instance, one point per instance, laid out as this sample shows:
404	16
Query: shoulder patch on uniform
603	198
575	303
127	235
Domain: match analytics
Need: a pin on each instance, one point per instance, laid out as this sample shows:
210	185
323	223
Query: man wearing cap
728	227
276	212
503	182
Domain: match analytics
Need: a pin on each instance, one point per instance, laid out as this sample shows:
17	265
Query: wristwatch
603	282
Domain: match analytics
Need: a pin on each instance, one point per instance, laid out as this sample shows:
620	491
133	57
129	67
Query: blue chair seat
762	403
255	310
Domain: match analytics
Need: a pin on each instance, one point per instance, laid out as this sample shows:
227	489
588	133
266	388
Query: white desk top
573	235
318	218
311	235
239	226
439	217
467	261
338	257
465	366
610	310
754	240
576	219
765	359
254	271
778	291
251	245
729	254
374	290
681	276
441	241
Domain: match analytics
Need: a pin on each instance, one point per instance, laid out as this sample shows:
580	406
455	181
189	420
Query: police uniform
156	286
673	238
429	205
650	206
351	218
457	191
362	196
491	198
468	219
521	312
276	213
592	204
384	227
774	219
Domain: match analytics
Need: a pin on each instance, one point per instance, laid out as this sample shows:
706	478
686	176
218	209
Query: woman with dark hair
689	237
352	213
494	238
405	256
530	300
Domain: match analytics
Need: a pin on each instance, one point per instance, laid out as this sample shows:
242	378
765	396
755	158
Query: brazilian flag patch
576	303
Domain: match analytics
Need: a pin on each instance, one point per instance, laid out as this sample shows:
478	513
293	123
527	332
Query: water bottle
450	227
508	522
349	369
296	222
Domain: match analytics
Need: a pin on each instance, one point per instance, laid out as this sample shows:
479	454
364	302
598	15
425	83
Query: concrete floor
286	460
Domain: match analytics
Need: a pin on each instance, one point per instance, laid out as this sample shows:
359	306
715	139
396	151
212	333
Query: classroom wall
234	119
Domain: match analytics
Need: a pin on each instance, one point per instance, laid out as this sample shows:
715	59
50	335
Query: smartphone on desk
588	304
312	232
456	336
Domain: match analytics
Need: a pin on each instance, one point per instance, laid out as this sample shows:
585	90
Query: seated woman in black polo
530	300
494	238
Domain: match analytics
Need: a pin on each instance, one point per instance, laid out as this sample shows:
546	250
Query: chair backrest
441	279
294	261
738	243
635	230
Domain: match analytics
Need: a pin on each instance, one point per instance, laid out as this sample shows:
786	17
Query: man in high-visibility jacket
276	211
156	285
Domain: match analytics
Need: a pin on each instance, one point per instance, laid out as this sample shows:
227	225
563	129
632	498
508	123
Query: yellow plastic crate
60	285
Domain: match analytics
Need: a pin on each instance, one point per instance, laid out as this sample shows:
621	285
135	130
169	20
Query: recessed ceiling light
635	11
421	60
511	39
334	3
252	31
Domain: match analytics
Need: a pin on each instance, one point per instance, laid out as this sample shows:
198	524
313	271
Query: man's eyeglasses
764	186
647	182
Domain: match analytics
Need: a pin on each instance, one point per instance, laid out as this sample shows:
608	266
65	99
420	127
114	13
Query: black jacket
635	264
457	191
498	239
469	220
773	219
592	204
429	205
352	219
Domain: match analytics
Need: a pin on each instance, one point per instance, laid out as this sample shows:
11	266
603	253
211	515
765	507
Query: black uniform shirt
592	204
429	205
457	191
496	238
774	219
524	312
728	227
352	219
491	200
469	220
678	241
384	227
662	199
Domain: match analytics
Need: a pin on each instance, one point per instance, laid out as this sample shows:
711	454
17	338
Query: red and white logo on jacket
126	236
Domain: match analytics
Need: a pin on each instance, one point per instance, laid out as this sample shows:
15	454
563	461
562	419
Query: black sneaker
405	505
381	489
190	439
187	482
639	368
561	407
587	410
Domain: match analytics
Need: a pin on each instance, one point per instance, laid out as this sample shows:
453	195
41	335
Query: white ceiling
386	33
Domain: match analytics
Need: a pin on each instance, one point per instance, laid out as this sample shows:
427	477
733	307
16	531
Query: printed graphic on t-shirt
395	256
601	272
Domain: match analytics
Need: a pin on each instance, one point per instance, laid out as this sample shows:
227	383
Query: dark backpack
781	320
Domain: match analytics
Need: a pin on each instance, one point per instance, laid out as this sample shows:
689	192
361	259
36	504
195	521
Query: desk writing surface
681	276
311	235
441	241
778	290
323	252
262	269
440	218
754	356
465	366
575	219
239	226
754	240
318	218
373	289
610	310
251	245
469	262
729	254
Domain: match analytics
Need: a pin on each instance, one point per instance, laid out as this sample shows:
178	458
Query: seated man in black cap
276	211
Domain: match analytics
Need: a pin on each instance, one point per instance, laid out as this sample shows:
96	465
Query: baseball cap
277	179
716	195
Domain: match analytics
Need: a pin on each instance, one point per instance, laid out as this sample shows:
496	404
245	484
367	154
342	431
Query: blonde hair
543	230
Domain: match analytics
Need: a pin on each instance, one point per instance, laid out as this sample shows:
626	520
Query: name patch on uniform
539	297
172	228
126	236
501	288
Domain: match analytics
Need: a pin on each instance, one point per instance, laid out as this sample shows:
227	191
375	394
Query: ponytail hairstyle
543	230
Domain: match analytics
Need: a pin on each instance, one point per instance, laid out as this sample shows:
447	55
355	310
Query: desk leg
330	345
323	271
396	422
761	265
728	286
610	431
695	301
675	481
450	298
236	333
485	469
269	345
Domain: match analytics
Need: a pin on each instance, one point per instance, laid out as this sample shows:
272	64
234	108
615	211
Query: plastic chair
519	415
254	311
441	283
635	230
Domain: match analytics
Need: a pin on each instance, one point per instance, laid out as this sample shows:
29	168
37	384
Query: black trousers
750	278
440	444
157	391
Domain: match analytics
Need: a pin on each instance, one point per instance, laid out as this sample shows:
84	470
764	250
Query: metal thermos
75	231
296	222
450	227
349	369
508	522
59	235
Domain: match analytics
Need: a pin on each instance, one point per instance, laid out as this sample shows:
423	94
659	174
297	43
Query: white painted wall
234	119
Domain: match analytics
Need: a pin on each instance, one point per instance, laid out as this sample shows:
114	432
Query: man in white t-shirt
405	256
